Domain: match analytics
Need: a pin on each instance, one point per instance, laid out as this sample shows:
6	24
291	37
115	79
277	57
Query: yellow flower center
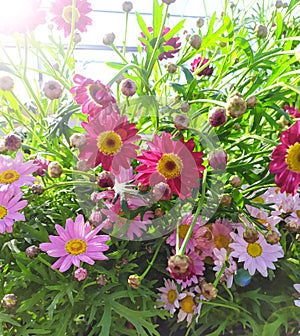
67	14
171	296
183	229
109	143
293	157
76	246
9	176
187	304
169	166
3	212
298	213
254	250
221	241
258	199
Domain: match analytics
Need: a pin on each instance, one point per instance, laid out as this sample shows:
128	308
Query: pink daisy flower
169	297
172	42
20	16
15	172
109	142
172	162
198	63
188	307
184	226
77	242
297	302
292	111
10	205
221	235
93	96
62	9
285	162
256	256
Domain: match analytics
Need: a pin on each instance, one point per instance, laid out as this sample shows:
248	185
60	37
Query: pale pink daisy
297	302
183	228
109	142
220	257
15	172
173	162
169	296
188	307
256	256
78	242
10	205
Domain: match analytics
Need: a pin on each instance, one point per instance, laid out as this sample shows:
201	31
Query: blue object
242	277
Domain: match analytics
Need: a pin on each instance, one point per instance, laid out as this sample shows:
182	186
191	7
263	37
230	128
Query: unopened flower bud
171	67
292	226
52	90
250	236
251	101
55	66
273	237
82	166
278	4
217	117
128	87
6	83
235	181
159	212
195	41
236	106
285	5
222	44
225	200
95	217
181	122
217	159
178	264
237	126
101	280
209	291
161	191
134	281
200	22
12	142
37	189
54	169
77	38
80	274
106	180
32	251
9	301
168	2
78	140
108	39
261	31
142	188
185	107
127	6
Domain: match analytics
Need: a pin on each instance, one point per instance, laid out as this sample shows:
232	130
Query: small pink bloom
80	274
198	63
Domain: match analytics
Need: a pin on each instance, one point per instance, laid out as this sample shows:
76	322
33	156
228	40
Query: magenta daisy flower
168	297
109	142
292	111
256	256
198	63
15	172
20	16
183	227
62	9
77	242
93	96
172	162
10	205
285	162
172	42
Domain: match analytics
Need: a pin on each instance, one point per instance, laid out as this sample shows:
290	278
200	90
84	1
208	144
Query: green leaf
5	318
143	26
278	25
174	30
245	46
188	75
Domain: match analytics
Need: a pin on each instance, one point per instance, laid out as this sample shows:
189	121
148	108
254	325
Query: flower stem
152	260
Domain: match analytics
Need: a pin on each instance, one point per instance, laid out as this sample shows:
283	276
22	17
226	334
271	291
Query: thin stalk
152	260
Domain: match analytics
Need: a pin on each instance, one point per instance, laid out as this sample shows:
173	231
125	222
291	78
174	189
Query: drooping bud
78	140
80	274
181	122
77	38
134	281
200	22
54	169
250	236
108	39
37	189
235	181
32	251
185	107
273	237
159	212
178	264
6	83
95	217
52	90
12	142
236	105
171	67
9	301
128	87
209	291
292	226
278	4
161	191
251	101
217	117
106	180
261	31
101	280
195	41
127	6
217	159
225	200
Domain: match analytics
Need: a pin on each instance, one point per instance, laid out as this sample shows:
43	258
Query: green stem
71	183
152	260
125	36
45	262
197	213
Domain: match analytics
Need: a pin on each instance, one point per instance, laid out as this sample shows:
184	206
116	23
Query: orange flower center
109	143
3	212
76	246
187	304
169	166
183	229
254	250
67	14
292	157
221	241
171	296
9	176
